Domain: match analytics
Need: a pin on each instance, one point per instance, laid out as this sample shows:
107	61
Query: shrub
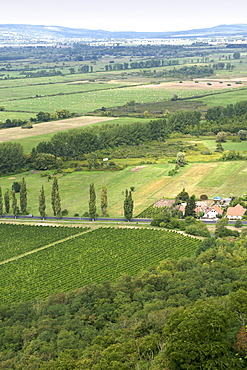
16	187
198	229
238	223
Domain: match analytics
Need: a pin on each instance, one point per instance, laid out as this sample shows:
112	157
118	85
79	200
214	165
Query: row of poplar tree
8	198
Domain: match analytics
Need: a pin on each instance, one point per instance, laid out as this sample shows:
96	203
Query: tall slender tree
7	201
103	196
1	202
92	202
128	205
54	191
190	207
14	204
23	197
42	205
57	205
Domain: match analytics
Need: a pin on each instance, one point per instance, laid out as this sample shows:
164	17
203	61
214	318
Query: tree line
76	144
40	117
8	201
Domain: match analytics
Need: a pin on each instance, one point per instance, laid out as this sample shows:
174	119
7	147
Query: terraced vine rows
100	255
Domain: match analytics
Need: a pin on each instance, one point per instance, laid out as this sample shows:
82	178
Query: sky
125	15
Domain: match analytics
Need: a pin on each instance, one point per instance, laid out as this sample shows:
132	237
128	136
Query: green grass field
229	145
151	183
223	99
100	255
83	102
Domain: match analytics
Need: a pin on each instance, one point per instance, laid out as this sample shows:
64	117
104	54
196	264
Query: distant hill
11	32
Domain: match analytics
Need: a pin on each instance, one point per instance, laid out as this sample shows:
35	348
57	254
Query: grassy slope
151	183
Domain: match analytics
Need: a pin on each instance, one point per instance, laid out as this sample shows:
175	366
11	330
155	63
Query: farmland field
211	145
15	133
151	182
19	239
84	102
100	255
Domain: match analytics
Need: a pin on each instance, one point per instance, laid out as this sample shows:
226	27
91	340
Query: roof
218	209
238	210
217	198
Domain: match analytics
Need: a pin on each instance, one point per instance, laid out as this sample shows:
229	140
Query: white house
213	212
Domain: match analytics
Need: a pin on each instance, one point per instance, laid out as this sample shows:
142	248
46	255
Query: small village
209	209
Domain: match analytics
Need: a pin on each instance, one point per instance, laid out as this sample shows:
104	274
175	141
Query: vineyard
19	239
99	255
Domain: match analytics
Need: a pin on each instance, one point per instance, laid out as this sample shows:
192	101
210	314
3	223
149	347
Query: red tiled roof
238	210
218	209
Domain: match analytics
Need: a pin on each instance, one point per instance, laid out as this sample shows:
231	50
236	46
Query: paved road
139	220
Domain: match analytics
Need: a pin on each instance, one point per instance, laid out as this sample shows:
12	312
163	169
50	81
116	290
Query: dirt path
44	247
15	133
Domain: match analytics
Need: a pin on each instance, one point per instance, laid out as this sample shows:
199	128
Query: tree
1	202
16	187
12	158
92	202
183	196
42	205
103	197
219	148
23	196
7	201
57	205
180	161
190	207
236	55
221	137
128	205
197	337
238	223
54	191
14	204
44	161
242	134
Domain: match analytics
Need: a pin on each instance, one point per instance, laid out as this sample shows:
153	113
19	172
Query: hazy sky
131	15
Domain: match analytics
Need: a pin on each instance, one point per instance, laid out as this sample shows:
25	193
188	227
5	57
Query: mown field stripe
229	177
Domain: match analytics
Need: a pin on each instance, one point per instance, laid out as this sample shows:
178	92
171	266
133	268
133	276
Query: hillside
21	32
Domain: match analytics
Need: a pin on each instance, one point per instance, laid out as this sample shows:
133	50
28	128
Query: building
235	213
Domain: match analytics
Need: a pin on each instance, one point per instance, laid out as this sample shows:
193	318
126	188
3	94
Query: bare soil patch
15	133
202	84
137	168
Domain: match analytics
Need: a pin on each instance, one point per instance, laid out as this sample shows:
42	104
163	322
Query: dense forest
185	314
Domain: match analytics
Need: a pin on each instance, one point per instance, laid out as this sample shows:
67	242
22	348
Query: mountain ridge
8	31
